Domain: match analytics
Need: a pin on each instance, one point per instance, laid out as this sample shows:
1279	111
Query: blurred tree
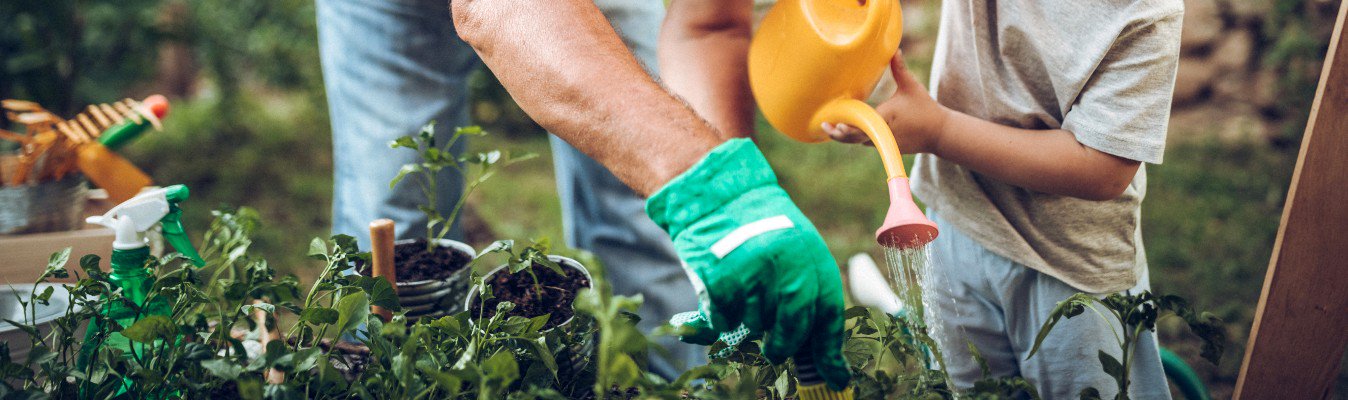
64	53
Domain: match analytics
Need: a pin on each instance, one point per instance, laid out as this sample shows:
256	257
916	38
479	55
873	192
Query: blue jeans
998	306
390	66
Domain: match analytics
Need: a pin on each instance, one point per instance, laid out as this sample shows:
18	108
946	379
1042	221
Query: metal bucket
565	262
10	309
44	207
437	297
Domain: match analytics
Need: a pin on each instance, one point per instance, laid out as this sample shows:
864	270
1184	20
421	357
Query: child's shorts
998	306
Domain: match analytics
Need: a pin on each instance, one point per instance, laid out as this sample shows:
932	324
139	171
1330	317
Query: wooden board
1301	324
23	257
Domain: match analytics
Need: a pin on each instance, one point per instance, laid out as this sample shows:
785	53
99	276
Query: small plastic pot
436	297
10	309
565	262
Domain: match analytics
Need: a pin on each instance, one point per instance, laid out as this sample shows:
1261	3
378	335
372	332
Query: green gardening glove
754	259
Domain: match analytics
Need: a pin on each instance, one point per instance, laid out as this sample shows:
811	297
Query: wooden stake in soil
381	255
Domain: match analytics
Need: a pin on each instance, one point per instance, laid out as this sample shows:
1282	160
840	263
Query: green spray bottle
130	253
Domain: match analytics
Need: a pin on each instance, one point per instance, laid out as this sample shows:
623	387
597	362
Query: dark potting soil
414	263
553	294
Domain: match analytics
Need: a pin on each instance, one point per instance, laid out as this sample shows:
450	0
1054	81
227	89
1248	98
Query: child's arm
703	52
1050	160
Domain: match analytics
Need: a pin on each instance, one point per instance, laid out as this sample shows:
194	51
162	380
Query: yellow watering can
811	62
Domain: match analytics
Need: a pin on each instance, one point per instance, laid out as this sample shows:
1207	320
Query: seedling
475	168
1135	313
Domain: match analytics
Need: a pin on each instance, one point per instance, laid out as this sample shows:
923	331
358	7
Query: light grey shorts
998	305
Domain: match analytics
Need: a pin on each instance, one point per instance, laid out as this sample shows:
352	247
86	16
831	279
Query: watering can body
814	61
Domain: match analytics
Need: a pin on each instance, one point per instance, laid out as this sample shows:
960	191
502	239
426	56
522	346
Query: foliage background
250	127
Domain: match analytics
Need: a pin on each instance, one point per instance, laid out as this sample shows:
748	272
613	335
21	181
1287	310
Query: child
1043	112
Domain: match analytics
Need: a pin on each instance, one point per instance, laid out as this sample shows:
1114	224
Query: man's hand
916	119
754	258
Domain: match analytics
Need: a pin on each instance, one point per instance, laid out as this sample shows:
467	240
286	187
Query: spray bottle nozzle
133	217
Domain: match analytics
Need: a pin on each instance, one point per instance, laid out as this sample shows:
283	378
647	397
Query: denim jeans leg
389	66
602	215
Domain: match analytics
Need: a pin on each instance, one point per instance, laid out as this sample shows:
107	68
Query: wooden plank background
1301	326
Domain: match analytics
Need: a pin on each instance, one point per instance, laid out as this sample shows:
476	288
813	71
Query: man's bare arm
704	48
565	66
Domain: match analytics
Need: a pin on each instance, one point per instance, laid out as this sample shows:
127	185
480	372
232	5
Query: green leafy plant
1134	314
475	169
523	259
329	345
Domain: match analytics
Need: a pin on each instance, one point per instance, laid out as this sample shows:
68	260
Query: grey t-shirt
1103	70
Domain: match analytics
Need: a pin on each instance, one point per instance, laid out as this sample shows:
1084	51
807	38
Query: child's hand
916	119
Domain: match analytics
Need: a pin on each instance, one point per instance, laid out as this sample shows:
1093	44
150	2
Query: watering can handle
860	115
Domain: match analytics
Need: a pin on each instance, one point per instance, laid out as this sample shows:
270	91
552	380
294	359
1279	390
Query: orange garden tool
811	62
84	142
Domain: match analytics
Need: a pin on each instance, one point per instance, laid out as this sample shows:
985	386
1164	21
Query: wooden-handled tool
381	255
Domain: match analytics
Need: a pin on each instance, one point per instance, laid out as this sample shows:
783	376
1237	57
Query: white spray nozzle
133	217
868	286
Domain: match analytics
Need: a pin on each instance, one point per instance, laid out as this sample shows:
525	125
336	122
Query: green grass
1209	221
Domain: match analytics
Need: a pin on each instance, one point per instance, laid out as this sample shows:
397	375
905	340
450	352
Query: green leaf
978	357
250	388
89	263
222	368
403	142
151	328
1111	365
1072	306
346	243
380	290
402	173
470	130
1090	394
352	310
265	307
318	248
502	366
58	259
448	382
499	246
319	315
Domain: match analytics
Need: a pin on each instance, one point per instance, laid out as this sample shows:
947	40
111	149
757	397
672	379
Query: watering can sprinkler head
905	226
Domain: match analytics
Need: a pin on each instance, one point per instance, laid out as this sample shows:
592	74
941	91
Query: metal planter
437	297
45	207
565	262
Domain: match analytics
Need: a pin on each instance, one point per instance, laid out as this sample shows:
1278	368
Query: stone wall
1228	85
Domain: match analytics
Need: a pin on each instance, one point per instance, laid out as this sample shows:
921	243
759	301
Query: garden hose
1183	376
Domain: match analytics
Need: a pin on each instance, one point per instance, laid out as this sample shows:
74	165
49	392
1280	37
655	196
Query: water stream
912	278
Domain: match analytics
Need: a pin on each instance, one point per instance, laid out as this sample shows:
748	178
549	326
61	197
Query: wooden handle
381	255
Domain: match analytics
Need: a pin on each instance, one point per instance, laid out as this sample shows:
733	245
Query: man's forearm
703	52
1050	161
565	66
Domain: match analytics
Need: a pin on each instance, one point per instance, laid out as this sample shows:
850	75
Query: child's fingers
846	134
902	77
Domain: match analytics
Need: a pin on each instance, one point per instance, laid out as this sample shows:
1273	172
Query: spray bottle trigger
172	224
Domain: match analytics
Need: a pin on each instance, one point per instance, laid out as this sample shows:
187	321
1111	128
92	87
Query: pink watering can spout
905	226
